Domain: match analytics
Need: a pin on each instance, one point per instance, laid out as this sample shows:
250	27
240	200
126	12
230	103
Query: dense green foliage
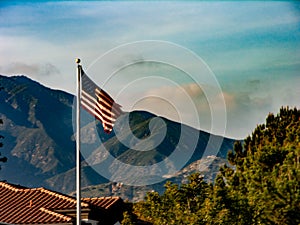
263	187
267	174
2	159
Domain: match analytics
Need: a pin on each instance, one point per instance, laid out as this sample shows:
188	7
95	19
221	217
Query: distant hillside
139	121
37	129
207	166
39	140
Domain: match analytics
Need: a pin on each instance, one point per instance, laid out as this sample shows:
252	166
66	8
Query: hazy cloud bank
35	70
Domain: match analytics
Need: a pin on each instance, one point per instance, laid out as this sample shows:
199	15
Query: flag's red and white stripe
98	103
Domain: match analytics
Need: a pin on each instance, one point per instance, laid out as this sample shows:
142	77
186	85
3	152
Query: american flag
98	103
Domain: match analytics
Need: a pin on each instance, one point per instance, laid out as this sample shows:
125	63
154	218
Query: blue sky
250	49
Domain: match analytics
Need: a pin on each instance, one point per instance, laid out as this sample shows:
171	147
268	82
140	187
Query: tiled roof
103	202
20	205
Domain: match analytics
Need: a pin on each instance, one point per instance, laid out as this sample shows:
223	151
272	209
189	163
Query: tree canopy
261	187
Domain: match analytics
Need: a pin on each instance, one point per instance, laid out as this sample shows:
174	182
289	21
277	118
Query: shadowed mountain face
37	129
39	141
146	148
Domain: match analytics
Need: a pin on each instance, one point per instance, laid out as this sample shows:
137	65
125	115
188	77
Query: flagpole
78	165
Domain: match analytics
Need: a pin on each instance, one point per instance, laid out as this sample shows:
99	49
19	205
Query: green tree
261	187
129	218
267	173
2	159
177	205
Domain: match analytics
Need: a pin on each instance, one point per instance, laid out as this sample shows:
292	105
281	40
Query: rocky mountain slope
39	142
37	130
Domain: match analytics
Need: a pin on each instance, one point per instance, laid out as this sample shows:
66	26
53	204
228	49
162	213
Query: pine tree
261	187
267	175
177	205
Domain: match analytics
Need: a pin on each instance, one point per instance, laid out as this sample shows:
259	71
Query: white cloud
44	38
46	69
244	108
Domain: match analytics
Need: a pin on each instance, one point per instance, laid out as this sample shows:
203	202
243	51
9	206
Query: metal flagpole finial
77	60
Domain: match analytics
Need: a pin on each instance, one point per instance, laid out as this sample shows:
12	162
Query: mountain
208	166
37	130
158	159
142	149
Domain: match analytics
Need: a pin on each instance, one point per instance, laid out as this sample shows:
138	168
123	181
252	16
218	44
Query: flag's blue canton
98	103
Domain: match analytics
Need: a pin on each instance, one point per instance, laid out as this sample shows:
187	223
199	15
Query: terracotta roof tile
103	202
59	216
21	205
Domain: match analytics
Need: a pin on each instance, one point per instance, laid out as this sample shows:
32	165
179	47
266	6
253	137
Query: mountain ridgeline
262	188
40	145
